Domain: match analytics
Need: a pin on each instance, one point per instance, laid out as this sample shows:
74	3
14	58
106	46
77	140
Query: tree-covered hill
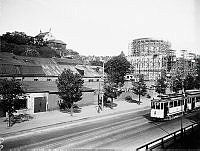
21	44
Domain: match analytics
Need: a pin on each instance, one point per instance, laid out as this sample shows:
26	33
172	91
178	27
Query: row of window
90	80
158	105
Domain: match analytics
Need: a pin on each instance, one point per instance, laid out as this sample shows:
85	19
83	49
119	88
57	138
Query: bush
128	98
148	96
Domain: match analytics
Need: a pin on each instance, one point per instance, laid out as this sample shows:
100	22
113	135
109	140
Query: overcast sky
105	27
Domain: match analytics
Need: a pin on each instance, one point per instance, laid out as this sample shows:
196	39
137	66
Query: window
179	102
171	104
197	99
161	105
97	80
35	79
193	99
152	105
90	80
175	103
157	105
127	77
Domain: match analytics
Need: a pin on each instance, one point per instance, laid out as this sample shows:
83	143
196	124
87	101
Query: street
123	132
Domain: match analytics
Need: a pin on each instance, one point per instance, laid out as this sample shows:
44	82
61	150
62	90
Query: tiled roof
44	86
19	70
8	69
11	65
31	70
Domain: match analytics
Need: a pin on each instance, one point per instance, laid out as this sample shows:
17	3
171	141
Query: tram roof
168	98
192	92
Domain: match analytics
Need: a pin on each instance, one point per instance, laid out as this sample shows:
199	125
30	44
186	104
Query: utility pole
183	91
103	88
139	82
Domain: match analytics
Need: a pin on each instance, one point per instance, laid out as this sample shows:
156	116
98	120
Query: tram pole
139	83
183	92
102	103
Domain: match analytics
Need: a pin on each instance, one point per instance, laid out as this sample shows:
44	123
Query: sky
106	27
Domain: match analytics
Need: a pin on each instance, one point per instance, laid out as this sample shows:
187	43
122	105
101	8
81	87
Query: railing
168	139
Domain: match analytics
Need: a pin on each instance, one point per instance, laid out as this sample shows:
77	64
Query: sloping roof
89	71
42	34
44	86
11	65
8	69
63	61
31	70
19	70
57	41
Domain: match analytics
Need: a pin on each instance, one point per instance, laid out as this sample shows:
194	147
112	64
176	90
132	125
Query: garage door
39	104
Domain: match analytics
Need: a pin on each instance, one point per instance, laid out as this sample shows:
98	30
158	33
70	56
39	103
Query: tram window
193	99
179	102
175	103
171	104
161	105
157	105
152	105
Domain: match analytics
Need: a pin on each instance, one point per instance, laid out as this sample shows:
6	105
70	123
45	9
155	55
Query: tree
116	68
110	91
161	85
197	78
96	63
189	82
176	84
19	38
139	87
69	86
10	91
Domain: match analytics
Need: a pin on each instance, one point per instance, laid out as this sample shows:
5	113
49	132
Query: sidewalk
44	120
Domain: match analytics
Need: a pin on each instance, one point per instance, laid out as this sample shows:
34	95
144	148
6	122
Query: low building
43	96
38	76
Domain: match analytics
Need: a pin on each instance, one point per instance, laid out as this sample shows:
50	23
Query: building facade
149	57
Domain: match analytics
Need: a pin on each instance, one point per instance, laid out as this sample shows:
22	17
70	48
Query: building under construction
150	57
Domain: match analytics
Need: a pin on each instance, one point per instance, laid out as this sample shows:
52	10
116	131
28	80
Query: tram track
87	134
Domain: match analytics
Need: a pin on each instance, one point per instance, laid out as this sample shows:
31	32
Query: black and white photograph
99	75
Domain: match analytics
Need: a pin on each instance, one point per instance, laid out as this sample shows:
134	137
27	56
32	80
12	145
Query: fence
168	139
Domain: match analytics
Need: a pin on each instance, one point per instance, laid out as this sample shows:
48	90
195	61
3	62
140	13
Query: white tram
173	105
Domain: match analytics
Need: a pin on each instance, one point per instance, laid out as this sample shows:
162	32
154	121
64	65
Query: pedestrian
1	141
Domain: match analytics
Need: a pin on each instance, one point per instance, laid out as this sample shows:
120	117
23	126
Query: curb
76	121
